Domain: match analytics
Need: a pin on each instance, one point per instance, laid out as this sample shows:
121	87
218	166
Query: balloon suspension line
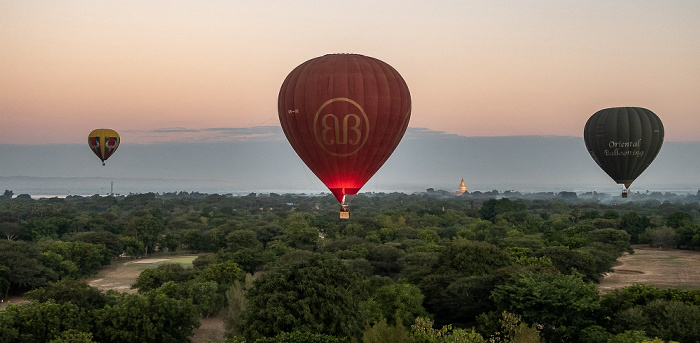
308	177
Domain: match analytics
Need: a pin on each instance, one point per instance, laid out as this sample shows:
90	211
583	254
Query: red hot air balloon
344	114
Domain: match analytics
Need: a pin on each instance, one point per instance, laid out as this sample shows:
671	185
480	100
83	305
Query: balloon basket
624	193
344	212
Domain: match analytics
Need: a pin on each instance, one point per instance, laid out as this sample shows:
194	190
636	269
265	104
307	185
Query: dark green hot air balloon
624	141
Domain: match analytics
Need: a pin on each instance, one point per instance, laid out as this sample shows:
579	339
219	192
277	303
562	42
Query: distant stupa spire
462	188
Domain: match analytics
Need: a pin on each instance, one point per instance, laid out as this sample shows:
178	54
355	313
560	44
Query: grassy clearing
668	268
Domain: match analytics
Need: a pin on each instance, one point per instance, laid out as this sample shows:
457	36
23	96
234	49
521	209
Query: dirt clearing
120	275
669	268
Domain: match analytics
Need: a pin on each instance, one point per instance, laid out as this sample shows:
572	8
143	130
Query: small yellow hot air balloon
103	142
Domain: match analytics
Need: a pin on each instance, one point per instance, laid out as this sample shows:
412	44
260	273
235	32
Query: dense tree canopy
424	267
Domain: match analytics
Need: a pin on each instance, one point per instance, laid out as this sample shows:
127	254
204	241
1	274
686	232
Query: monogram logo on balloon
341	132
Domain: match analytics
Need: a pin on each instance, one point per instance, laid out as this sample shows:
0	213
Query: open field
667	268
120	275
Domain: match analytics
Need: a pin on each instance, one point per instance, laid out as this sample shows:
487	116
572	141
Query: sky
198	71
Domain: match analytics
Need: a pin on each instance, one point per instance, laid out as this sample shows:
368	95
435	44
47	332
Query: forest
423	267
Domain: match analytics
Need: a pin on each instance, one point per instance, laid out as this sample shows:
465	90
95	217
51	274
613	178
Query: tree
152	317
316	295
299	234
493	207
472	258
634	225
41	321
26	270
666	319
4	281
205	296
679	219
132	246
384	259
423	332
382	332
622	299
77	292
146	228
660	237
301	337
153	278
618	238
73	336
569	261
237	303
12	231
400	303
87	257
225	273
562	305
463	278
106	238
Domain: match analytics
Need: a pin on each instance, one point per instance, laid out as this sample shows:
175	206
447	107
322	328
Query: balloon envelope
344	114
624	141
103	142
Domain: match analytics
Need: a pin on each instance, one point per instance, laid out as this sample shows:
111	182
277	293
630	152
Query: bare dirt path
663	268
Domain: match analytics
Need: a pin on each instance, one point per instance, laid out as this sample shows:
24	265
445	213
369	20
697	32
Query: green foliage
205	297
472	258
622	299
108	239
77	292
630	337
153	278
73	336
399	303
237	304
132	246
146	228
506	327
423	332
659	237
86	257
26	271
493	207
152	317
41	321
301	337
299	234
382	332
666	319
562	305
4	280
634	225
316	295
455	251
678	219
465	274
225	273
570	262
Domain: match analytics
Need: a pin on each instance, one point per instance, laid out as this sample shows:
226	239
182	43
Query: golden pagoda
462	188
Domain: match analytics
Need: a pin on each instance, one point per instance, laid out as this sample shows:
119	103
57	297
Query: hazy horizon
262	161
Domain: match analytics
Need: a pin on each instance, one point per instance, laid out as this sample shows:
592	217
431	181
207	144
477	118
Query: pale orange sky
474	68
